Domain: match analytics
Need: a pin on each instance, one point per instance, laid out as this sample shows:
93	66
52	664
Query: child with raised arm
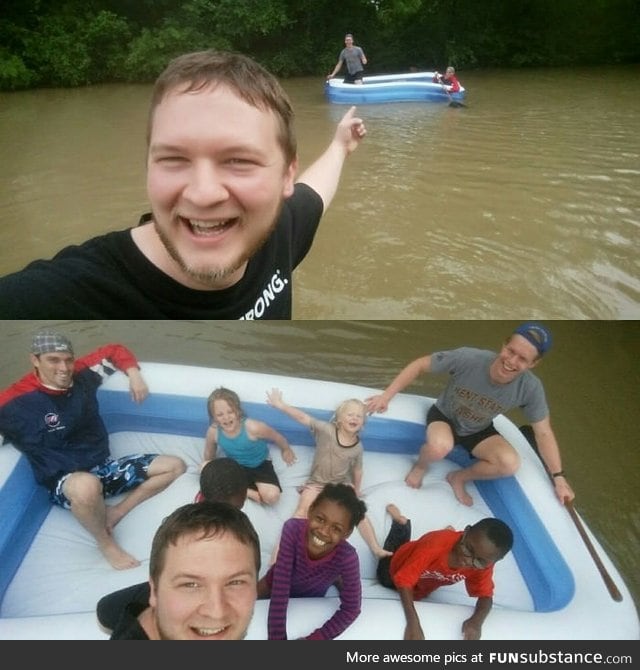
315	555
247	442
338	456
441	557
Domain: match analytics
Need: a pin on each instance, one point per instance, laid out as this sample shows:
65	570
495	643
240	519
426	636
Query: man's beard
212	276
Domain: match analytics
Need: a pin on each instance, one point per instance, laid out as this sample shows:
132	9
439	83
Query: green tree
57	52
104	35
14	74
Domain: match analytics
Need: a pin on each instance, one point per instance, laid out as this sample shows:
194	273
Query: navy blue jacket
62	431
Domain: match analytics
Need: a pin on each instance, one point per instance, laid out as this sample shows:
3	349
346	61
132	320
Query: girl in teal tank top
246	441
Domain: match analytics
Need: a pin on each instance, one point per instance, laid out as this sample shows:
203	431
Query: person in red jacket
52	416
441	557
448	80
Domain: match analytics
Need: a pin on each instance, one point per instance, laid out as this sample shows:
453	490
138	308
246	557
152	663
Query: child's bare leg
307	496
395	514
369	536
269	493
252	494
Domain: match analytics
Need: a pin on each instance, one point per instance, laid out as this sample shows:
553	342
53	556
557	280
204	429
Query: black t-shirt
108	277
117	607
128	626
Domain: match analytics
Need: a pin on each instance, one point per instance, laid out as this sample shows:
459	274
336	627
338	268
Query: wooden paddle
528	433
609	583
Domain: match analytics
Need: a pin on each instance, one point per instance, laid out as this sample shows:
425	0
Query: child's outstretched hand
289	456
471	630
274	398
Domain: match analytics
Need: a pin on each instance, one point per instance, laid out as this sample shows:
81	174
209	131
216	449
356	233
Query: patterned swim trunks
118	475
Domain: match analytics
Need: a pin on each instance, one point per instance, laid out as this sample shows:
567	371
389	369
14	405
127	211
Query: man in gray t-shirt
481	385
354	59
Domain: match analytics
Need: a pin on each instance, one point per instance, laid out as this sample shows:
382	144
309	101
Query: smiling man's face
206	591
216	179
55	370
516	356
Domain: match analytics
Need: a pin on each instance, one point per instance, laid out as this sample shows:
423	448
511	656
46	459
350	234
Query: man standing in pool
482	385
354	59
52	416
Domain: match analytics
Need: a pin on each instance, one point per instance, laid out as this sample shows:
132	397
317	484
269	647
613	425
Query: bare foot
458	488
118	557
395	514
415	476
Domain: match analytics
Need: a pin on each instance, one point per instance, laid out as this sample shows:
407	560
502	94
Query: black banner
335	654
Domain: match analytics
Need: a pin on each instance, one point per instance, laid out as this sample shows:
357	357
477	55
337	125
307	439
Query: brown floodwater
525	203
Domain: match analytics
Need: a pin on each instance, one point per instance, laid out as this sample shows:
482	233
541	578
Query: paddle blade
606	577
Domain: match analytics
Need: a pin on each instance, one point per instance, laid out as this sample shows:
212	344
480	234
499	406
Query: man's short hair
249	80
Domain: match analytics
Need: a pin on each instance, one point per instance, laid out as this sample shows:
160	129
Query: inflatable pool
549	587
408	87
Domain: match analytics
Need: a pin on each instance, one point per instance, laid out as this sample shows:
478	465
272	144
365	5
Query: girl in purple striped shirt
314	555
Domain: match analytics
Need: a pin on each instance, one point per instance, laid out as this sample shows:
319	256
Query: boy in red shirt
441	557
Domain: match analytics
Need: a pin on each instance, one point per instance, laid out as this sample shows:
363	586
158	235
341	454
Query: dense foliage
80	42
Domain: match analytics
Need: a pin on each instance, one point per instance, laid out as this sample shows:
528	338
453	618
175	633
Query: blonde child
246	441
337	458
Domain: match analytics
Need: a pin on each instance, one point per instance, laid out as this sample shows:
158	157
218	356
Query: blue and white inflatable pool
52	574
407	87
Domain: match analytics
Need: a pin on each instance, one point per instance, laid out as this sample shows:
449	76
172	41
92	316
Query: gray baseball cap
48	341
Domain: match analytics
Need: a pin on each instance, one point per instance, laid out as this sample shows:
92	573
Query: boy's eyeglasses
468	553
